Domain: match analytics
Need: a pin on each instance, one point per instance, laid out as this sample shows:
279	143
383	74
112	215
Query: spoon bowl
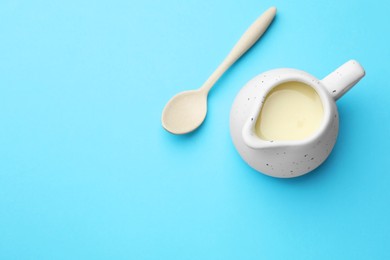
185	112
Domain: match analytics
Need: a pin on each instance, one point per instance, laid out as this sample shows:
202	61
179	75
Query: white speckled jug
286	159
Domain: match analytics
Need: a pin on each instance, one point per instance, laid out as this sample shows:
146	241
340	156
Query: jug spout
343	78
252	140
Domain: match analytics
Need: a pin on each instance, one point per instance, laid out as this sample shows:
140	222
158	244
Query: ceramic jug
289	158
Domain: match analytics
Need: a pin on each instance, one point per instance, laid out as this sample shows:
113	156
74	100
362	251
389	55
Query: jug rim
285	75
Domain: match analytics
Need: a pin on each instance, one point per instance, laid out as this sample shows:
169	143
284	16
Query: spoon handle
252	34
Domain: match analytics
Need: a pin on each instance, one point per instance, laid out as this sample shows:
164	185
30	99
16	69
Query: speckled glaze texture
285	159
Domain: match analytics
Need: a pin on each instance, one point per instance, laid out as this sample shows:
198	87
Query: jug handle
343	78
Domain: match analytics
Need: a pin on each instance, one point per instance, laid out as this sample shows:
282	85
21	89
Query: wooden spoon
187	110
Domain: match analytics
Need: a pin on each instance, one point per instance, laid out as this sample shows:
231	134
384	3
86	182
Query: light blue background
87	171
